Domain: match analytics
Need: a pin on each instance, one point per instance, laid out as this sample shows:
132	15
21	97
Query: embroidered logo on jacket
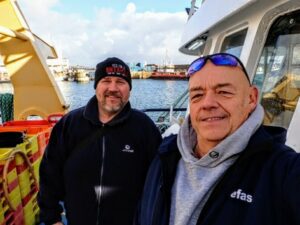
239	194
128	149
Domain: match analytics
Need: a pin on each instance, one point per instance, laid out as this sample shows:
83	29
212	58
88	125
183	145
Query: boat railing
175	114
167	118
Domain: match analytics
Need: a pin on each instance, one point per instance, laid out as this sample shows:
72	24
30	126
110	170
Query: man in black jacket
98	155
224	167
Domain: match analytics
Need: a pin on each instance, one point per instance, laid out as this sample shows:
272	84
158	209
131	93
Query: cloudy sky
87	32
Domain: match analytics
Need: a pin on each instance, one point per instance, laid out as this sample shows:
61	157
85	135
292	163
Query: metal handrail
167	118
177	104
163	110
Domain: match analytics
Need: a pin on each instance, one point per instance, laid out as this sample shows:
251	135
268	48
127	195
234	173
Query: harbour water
145	93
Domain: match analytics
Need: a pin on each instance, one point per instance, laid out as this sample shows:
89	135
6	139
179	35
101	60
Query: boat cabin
265	35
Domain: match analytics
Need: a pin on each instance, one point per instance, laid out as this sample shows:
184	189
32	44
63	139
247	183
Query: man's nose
209	101
112	86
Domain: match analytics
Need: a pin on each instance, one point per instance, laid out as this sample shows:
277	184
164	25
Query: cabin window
197	46
233	43
278	72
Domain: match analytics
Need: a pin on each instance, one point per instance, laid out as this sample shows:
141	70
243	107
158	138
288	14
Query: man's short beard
113	109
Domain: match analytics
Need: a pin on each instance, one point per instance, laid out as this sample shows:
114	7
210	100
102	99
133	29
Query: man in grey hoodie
224	166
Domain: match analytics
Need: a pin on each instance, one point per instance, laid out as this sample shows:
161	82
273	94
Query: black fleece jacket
260	188
115	164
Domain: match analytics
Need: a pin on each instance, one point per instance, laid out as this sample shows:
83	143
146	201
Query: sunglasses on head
219	59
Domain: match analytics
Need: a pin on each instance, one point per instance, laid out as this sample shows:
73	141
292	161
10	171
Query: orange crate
54	118
43	133
26	123
7	129
43	139
29	147
34	129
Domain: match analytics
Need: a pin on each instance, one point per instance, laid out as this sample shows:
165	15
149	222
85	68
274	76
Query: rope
6	107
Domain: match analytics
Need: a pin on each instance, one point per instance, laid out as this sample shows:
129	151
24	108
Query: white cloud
130	35
130	8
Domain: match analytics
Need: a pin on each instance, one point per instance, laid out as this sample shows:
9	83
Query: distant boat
168	72
81	76
78	75
70	79
169	75
172	72
142	74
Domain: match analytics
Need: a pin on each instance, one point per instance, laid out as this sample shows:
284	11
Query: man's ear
253	100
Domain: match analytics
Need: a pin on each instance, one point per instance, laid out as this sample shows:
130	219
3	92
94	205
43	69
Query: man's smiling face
221	99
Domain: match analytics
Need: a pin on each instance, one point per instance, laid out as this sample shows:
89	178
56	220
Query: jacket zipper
101	178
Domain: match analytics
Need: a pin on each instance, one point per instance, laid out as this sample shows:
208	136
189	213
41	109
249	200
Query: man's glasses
219	59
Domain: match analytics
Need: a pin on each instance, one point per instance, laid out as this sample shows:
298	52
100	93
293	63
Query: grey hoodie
196	178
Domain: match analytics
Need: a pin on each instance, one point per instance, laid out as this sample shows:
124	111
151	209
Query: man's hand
58	223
